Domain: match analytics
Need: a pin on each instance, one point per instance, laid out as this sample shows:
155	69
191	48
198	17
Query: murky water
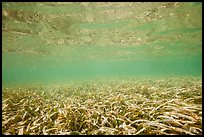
62	42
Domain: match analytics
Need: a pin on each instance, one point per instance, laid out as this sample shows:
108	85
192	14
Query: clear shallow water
45	69
78	44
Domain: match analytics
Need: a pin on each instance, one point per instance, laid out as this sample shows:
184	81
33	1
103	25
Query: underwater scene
102	68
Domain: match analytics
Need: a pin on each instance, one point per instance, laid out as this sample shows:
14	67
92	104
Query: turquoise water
18	69
100	42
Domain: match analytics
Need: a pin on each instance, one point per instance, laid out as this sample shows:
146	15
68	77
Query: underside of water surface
102	68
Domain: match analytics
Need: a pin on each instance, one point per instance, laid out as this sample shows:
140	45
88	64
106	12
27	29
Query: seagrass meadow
101	68
161	107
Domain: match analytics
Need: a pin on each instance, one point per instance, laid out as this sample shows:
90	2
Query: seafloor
170	106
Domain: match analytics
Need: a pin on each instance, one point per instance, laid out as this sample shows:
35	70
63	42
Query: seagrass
94	108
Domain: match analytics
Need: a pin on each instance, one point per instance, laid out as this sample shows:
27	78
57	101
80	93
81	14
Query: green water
81	41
